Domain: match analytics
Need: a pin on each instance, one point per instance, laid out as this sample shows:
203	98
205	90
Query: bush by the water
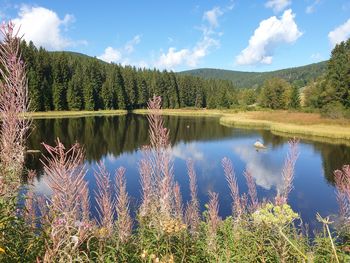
335	110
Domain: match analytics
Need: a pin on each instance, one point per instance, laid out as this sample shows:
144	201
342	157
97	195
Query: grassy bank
185	112
304	125
71	114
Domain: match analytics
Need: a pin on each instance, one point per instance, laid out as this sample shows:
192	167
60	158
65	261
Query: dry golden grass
304	125
300	118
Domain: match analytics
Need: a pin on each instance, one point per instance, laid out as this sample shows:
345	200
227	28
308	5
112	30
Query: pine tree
338	74
75	90
121	96
108	90
61	76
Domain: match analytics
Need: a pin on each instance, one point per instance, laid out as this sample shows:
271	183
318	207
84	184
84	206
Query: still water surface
116	141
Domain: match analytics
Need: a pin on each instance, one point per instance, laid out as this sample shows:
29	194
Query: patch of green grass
70	114
185	112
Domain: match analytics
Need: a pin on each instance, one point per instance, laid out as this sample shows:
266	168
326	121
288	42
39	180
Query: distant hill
300	75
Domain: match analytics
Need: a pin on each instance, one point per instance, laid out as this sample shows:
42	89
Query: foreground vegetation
165	229
61	228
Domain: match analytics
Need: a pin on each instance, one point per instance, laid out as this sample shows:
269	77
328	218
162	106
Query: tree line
72	81
329	93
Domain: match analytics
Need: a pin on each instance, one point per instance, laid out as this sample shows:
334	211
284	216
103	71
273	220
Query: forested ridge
73	81
298	76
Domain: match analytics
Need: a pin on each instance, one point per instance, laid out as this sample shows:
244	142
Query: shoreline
322	130
73	114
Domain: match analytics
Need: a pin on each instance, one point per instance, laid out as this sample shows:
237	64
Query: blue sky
247	35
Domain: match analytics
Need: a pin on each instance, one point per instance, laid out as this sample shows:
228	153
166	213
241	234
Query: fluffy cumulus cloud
115	55
110	55
191	56
339	34
270	33
44	27
278	5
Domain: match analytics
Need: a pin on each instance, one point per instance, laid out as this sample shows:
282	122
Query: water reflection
267	174
187	151
117	140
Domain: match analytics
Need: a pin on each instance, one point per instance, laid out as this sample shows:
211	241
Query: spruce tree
75	90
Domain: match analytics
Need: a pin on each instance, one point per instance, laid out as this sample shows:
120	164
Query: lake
116	141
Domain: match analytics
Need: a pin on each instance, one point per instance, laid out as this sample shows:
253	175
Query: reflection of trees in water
334	156
272	140
117	134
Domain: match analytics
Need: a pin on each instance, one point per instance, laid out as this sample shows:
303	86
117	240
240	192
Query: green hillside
299	75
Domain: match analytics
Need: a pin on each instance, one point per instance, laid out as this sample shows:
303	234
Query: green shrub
334	110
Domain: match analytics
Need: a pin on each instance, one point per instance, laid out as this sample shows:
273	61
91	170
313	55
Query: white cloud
111	54
44	27
173	58
191	56
141	64
212	16
339	34
270	33
130	45
311	8
278	5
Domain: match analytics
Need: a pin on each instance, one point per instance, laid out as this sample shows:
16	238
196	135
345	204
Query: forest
71	81
298	76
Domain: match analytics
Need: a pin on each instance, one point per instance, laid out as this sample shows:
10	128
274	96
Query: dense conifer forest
71	81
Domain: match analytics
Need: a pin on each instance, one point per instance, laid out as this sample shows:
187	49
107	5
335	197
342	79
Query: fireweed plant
60	228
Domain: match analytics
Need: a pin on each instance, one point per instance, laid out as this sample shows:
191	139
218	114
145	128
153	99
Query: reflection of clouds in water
41	187
187	151
266	174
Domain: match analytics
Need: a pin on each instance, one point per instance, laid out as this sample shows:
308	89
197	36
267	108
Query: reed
14	102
